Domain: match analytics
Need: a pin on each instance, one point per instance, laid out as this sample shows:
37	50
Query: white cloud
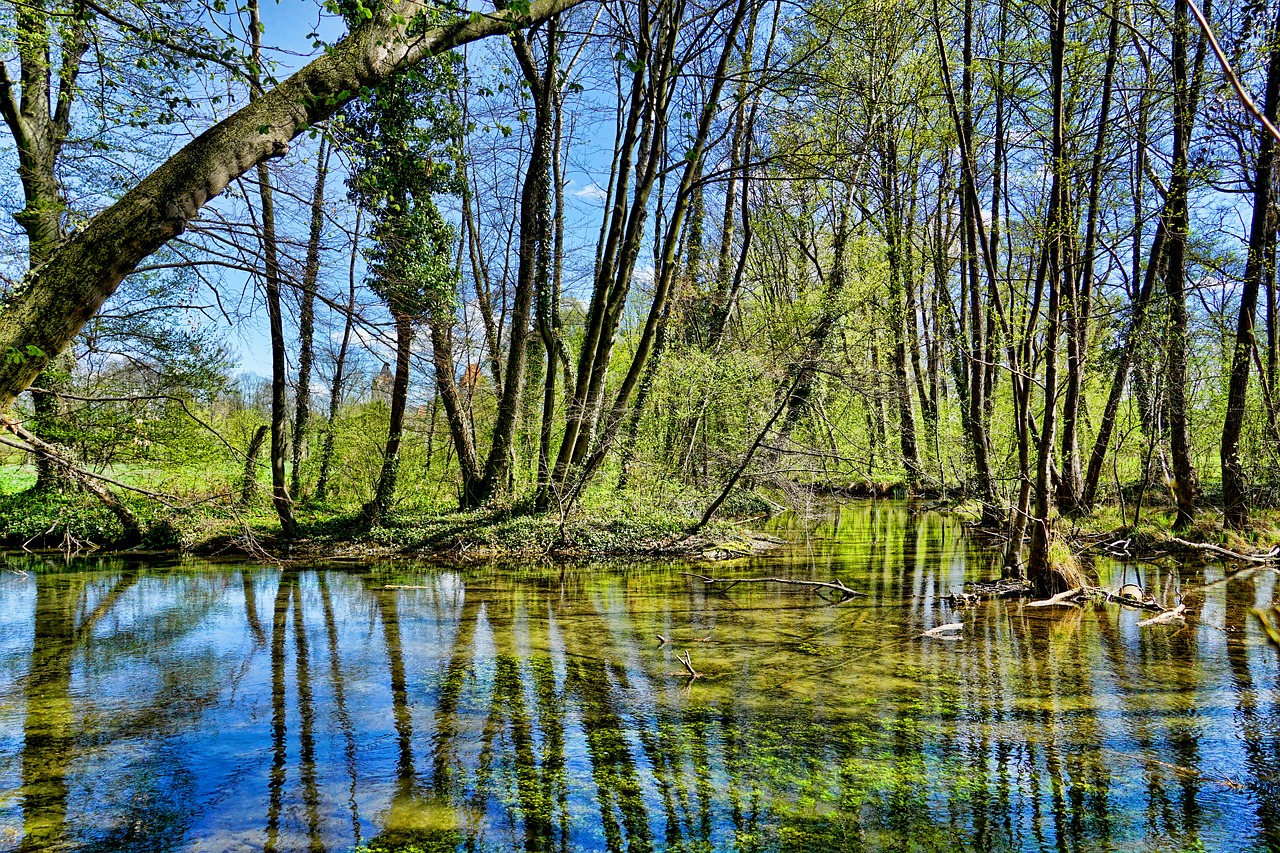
591	191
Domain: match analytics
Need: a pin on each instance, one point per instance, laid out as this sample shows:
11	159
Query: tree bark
384	492
1234	497
1186	483
306	318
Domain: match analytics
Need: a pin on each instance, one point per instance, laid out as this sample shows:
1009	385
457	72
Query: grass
1155	529
609	524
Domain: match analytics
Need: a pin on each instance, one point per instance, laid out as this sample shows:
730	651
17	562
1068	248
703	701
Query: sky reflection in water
196	706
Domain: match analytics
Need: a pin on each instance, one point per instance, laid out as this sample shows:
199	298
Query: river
175	704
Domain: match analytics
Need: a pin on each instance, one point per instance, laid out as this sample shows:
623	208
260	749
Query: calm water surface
213	706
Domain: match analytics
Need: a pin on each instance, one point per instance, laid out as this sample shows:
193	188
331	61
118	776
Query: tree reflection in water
147	706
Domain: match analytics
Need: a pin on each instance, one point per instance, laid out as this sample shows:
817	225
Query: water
150	705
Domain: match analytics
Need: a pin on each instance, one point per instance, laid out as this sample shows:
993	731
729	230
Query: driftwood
1125	600
689	673
842	592
1266	557
984	590
1067	597
945	632
663	640
1168	617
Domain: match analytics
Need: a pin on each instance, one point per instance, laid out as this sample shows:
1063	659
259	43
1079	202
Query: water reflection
197	706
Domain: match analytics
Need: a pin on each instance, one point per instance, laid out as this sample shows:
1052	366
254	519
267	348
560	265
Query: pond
186	705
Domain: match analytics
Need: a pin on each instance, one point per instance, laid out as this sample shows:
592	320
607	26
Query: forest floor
614	527
76	521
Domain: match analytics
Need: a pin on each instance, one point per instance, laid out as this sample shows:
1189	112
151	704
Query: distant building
381	385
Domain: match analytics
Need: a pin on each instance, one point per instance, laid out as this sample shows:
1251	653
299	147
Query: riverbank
1109	530
77	522
621	526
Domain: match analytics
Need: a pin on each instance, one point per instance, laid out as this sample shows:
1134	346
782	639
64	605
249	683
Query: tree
42	316
401	135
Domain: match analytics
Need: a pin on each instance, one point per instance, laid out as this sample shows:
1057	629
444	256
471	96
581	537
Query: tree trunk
623	229
1234	496
43	317
249	483
306	318
272	280
897	322
384	492
535	199
1071	483
1047	578
548	316
335	388
667	267
1186	483
454	414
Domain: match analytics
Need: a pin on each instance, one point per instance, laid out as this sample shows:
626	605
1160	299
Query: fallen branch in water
687	660
662	640
1061	598
1126	600
945	632
844	592
1266	557
986	590
1169	617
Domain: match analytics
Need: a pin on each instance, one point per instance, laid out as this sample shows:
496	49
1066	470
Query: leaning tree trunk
249	483
42	318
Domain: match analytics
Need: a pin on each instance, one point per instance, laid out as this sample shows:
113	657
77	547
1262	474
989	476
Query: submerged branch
844	592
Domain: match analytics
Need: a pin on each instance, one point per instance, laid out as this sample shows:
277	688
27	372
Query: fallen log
945	632
1125	600
1266	557
1168	617
1061	598
836	586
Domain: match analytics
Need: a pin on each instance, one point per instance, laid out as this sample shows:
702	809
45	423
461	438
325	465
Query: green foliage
51	518
404	140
